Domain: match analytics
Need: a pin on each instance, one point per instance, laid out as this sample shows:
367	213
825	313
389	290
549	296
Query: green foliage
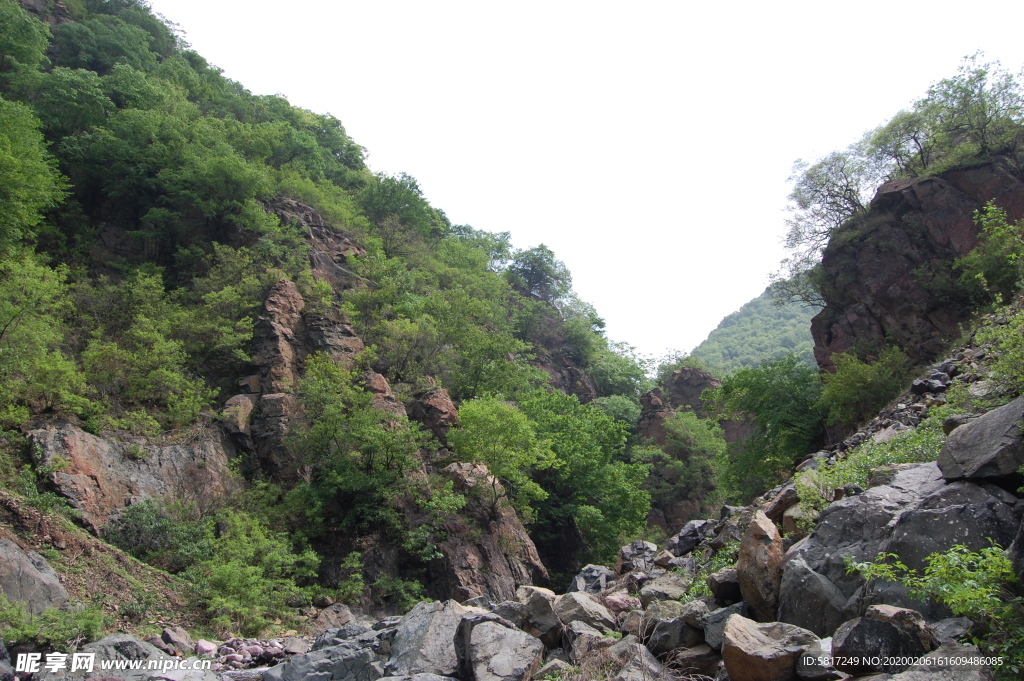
23	39
397	591
171	538
538	272
590	484
1007	357
994	265
685	468
31	182
783	398
816	487
971	584
61	630
351	585
858	389
249	574
713	561
497	434
760	330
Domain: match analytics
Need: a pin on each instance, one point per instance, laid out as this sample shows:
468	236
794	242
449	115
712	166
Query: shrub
57	629
858	389
971	584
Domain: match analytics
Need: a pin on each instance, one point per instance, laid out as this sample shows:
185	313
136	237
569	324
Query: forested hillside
760	330
247	383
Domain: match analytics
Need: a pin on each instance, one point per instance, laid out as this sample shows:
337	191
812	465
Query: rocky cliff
888	277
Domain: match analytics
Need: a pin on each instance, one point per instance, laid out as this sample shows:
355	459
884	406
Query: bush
162	536
858	389
58	629
971	584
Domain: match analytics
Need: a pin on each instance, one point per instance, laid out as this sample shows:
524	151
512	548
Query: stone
691	536
592	579
26	578
951	630
538	617
988	447
693	613
664	610
642	666
620	601
423	640
763	652
500	653
295	646
580	639
792	522
759	567
513	611
333	617
811	665
664	558
864	646
910	621
671	634
347	661
637	556
668	586
436	411
787	497
714	622
948	662
700	660
205	648
178	638
552	669
725	585
576	606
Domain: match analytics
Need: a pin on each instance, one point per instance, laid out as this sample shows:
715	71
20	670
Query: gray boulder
592	579
26	578
348	661
949	662
642	666
666	587
579	607
688	538
672	634
424	640
759	567
538	617
987	447
713	623
859	643
497	651
636	556
725	585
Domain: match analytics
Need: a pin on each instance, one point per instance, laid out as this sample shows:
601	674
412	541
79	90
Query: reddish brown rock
494	562
383	398
436	411
880	285
759	568
104	476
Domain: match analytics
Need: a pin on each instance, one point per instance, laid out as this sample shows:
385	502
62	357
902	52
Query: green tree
495	433
858	389
783	397
537	271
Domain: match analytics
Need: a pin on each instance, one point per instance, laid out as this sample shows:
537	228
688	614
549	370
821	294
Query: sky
648	144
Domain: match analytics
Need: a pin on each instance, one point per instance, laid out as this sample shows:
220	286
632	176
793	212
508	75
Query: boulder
576	606
694	612
698	660
714	622
118	647
490	649
178	638
763	652
987	447
759	567
538	617
688	538
910	621
725	585
348	661
863	646
423	640
637	556
668	586
553	668
815	664
26	578
948	662
580	639
775	508
672	634
641	666
436	411
620	601
592	579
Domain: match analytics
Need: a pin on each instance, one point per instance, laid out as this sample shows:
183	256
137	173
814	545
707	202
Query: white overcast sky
647	143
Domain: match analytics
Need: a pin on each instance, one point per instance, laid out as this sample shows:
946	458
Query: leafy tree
31	182
685	468
495	433
995	264
783	397
538	272
98	43
858	389
23	39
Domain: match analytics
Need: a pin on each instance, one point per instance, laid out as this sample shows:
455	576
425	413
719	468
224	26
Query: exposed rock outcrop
883	277
102	476
26	578
494	562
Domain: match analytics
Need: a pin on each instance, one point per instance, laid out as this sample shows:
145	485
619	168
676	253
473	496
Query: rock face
759	569
879	285
436	411
26	578
915	514
494	562
104	476
424	640
497	651
987	447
